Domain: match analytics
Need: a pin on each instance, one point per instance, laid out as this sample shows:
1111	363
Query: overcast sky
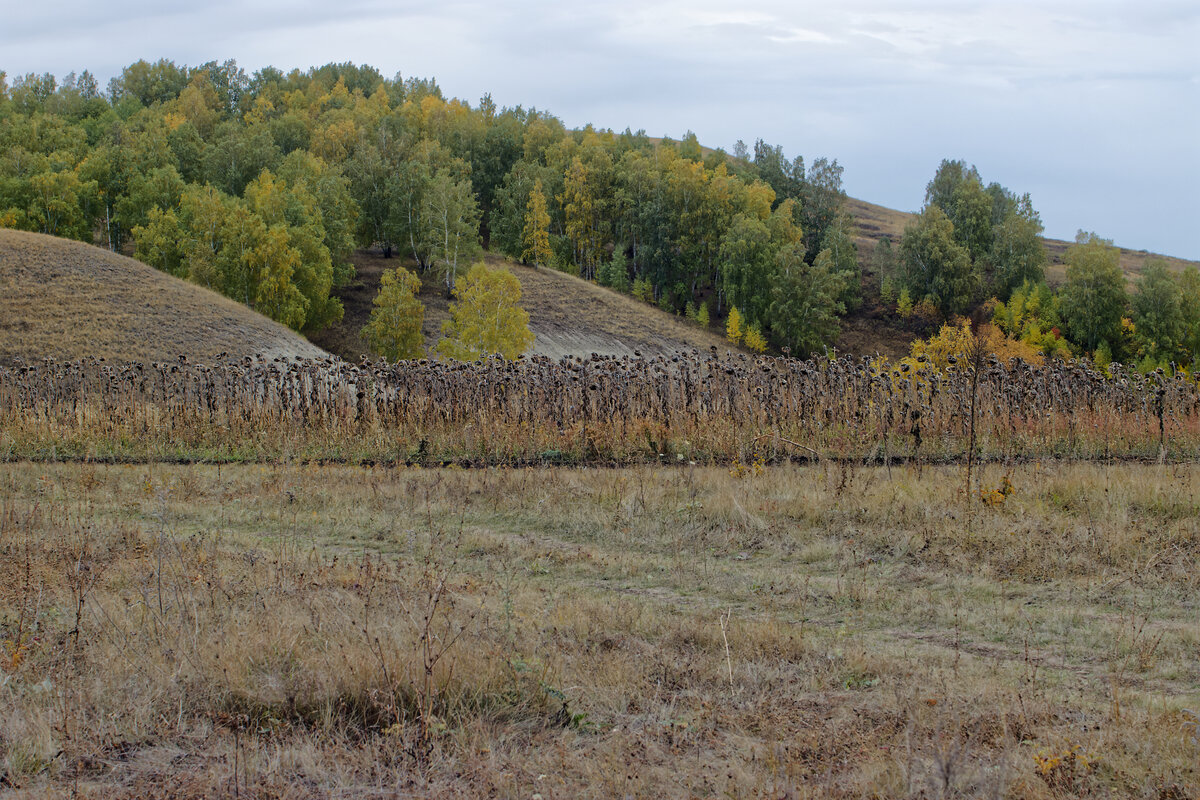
1092	107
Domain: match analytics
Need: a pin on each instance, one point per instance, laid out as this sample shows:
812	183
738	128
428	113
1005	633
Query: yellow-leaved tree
755	340
536	236
394	329
581	217
272	262
734	329
485	318
955	340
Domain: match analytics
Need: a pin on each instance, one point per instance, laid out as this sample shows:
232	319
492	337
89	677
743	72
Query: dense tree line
260	185
691	231
968	243
973	244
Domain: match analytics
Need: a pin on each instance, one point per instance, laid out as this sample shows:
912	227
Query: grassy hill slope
67	300
568	315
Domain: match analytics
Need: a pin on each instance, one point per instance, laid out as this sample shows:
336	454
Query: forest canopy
261	185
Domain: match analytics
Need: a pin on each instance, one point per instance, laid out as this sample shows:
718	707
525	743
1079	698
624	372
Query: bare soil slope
568	315
66	299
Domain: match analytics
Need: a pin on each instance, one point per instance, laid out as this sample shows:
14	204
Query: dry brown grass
572	316
67	300
823	631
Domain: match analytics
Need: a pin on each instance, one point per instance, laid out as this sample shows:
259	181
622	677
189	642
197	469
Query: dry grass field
67	300
777	632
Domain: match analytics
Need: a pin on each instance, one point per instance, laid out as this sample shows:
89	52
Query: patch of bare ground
568	315
302	631
68	300
877	329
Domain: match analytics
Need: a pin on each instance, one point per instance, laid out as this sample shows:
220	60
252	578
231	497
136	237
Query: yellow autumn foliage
485	319
956	338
